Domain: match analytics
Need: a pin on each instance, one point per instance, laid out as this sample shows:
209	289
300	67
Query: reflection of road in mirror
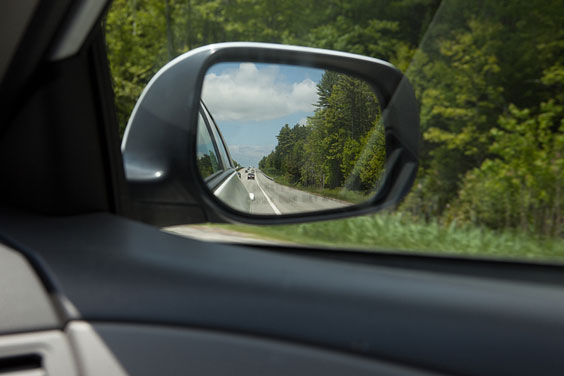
274	198
314	129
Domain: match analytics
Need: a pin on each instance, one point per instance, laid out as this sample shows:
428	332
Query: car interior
90	285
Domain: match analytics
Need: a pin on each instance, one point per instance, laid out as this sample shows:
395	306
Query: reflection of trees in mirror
340	152
207	164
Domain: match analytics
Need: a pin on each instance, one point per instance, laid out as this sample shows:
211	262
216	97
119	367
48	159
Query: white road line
268	198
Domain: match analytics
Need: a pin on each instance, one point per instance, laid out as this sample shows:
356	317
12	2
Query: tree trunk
133	4
189	25
171	48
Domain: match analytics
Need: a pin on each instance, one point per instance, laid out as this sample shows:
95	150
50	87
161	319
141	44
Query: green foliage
135	36
490	87
342	145
207	164
401	232
522	185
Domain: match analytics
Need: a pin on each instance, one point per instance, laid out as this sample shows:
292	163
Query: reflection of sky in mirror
251	102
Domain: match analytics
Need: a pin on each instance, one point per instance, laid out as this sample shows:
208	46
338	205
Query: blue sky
251	102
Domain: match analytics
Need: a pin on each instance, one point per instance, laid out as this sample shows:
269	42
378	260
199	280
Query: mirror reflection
281	139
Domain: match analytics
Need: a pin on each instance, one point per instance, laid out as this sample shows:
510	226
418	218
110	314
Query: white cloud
247	94
249	155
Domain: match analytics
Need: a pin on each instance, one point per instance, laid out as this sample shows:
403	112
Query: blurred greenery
400	232
489	78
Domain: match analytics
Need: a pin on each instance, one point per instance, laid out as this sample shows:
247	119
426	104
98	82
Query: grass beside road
338	193
394	231
342	194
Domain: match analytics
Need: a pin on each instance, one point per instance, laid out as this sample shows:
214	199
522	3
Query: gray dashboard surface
152	350
113	269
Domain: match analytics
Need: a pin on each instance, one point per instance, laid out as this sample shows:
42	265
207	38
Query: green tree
488	76
521	186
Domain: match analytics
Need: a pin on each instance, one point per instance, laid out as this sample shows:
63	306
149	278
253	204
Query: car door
216	166
85	290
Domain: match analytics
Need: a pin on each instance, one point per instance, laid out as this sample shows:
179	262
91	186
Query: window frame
212	124
221	167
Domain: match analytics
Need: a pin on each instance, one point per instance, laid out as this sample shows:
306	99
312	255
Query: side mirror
311	127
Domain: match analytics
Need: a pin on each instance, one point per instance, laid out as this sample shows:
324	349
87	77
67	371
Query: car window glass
488	77
207	161
220	143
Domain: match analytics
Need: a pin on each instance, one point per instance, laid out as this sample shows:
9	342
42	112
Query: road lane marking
268	199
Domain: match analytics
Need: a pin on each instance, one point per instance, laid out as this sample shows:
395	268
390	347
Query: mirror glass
282	139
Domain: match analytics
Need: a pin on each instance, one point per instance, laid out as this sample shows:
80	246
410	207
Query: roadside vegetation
400	232
489	78
343	194
340	148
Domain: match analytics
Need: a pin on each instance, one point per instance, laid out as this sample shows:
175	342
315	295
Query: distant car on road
250	176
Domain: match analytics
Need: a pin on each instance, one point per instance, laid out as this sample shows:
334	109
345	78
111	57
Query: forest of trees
488	75
341	146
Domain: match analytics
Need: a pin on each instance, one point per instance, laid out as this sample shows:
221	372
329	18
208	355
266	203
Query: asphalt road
273	198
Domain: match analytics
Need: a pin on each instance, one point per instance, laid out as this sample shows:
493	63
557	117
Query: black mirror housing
159	144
